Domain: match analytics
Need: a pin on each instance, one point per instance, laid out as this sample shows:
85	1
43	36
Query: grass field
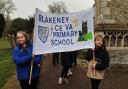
6	65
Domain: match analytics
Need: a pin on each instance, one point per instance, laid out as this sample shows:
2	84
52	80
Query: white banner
63	32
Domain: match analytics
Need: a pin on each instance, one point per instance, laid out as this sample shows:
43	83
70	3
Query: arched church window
109	33
115	33
106	38
118	33
123	33
112	41
119	40
105	33
126	41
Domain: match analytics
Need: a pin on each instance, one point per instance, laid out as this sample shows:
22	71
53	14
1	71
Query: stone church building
111	20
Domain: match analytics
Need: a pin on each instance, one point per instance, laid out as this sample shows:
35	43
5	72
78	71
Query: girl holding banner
98	61
22	57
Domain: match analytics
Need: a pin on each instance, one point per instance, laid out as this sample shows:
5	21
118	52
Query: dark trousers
64	71
25	84
55	58
75	58
95	83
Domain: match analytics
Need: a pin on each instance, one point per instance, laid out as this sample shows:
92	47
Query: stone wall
111	11
118	56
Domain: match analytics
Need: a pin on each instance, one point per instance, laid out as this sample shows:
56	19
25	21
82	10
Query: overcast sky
26	8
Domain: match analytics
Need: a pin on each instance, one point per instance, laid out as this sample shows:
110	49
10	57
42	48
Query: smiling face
99	41
21	39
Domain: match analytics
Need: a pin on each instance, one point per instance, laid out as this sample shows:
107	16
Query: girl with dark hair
98	61
22	57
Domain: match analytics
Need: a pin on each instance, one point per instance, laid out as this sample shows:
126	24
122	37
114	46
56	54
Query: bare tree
57	7
6	6
2	24
7	25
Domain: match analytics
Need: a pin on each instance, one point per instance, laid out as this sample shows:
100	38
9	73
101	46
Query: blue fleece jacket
22	58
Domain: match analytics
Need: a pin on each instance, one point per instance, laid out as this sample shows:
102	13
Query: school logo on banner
43	33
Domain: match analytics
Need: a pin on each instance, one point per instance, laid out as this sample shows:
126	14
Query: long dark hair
103	45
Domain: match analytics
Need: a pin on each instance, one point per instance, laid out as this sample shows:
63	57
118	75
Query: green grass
6	65
4	44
